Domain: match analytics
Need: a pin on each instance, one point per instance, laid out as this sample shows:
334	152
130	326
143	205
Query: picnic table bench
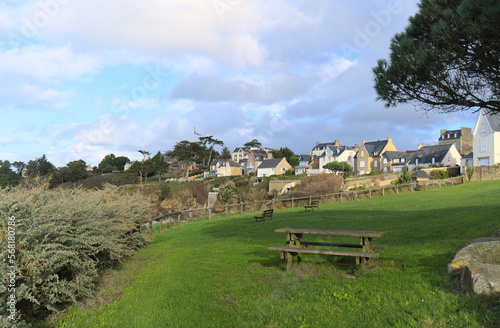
296	246
265	214
314	203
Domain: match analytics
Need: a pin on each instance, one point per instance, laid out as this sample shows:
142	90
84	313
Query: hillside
219	273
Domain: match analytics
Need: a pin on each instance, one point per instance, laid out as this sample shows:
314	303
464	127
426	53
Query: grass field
219	273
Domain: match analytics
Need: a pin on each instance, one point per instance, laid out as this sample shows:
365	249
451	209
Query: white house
276	166
324	153
486	140
425	156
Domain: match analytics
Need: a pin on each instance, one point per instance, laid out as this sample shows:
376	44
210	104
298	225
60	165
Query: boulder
481	278
478	265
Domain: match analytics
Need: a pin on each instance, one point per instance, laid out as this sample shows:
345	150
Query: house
397	159
304	161
89	168
461	138
253	160
445	155
224	168
240	153
324	153
127	166
486	140
370	157
275	166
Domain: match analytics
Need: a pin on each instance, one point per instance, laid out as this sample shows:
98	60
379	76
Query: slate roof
224	161
374	147
420	174
426	153
399	154
494	121
305	158
450	134
270	163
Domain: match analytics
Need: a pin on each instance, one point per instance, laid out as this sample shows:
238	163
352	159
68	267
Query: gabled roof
493	121
223	162
375	147
305	158
426	153
270	163
420	174
450	134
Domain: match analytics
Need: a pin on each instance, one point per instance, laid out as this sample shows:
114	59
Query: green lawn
219	273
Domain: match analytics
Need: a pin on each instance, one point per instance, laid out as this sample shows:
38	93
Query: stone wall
482	173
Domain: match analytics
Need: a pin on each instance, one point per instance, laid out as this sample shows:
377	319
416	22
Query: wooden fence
189	214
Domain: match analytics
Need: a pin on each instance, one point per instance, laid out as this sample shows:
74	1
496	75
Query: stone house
276	166
462	139
397	159
252	161
486	140
445	155
369	157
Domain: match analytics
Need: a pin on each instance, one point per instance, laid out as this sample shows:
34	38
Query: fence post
161	230
293	203
179	218
255	206
226	209
191	215
241	208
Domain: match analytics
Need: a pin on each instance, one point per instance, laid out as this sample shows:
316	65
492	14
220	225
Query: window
361	163
362	153
385	160
375	163
416	161
433	161
483	145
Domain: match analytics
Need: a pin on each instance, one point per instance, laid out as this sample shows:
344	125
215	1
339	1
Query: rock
478	265
481	278
482	240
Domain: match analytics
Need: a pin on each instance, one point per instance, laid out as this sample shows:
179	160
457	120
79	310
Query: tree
7	176
337	167
212	142
285	152
254	143
447	59
405	177
39	167
226	153
187	152
160	166
19	167
73	171
112	163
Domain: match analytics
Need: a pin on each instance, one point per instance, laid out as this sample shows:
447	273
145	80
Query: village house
369	157
324	153
462	139
438	155
250	164
224	168
303	167
240	153
398	161
276	166
486	140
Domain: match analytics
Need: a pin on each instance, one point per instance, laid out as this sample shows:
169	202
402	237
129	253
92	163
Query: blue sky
82	79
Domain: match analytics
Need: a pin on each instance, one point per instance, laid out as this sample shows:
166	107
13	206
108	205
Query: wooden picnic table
297	246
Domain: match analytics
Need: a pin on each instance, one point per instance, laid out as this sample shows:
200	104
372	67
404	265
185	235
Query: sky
83	79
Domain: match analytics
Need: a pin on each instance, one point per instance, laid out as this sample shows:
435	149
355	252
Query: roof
426	153
420	174
270	163
305	158
391	155
224	161
494	121
469	155
374	148
450	134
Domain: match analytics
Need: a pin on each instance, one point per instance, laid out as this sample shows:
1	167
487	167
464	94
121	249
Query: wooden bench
265	214
296	246
314	203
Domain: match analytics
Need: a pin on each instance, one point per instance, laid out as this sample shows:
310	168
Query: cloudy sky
82	79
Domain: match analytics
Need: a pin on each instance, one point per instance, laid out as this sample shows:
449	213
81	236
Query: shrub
226	191
62	239
405	177
439	174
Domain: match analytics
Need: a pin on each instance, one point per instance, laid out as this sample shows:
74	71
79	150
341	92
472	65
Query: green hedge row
54	242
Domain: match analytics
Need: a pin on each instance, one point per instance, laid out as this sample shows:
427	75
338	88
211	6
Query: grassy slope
219	273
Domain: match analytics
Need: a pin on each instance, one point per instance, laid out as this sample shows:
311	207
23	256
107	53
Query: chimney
363	142
389	139
420	146
337	143
317	143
